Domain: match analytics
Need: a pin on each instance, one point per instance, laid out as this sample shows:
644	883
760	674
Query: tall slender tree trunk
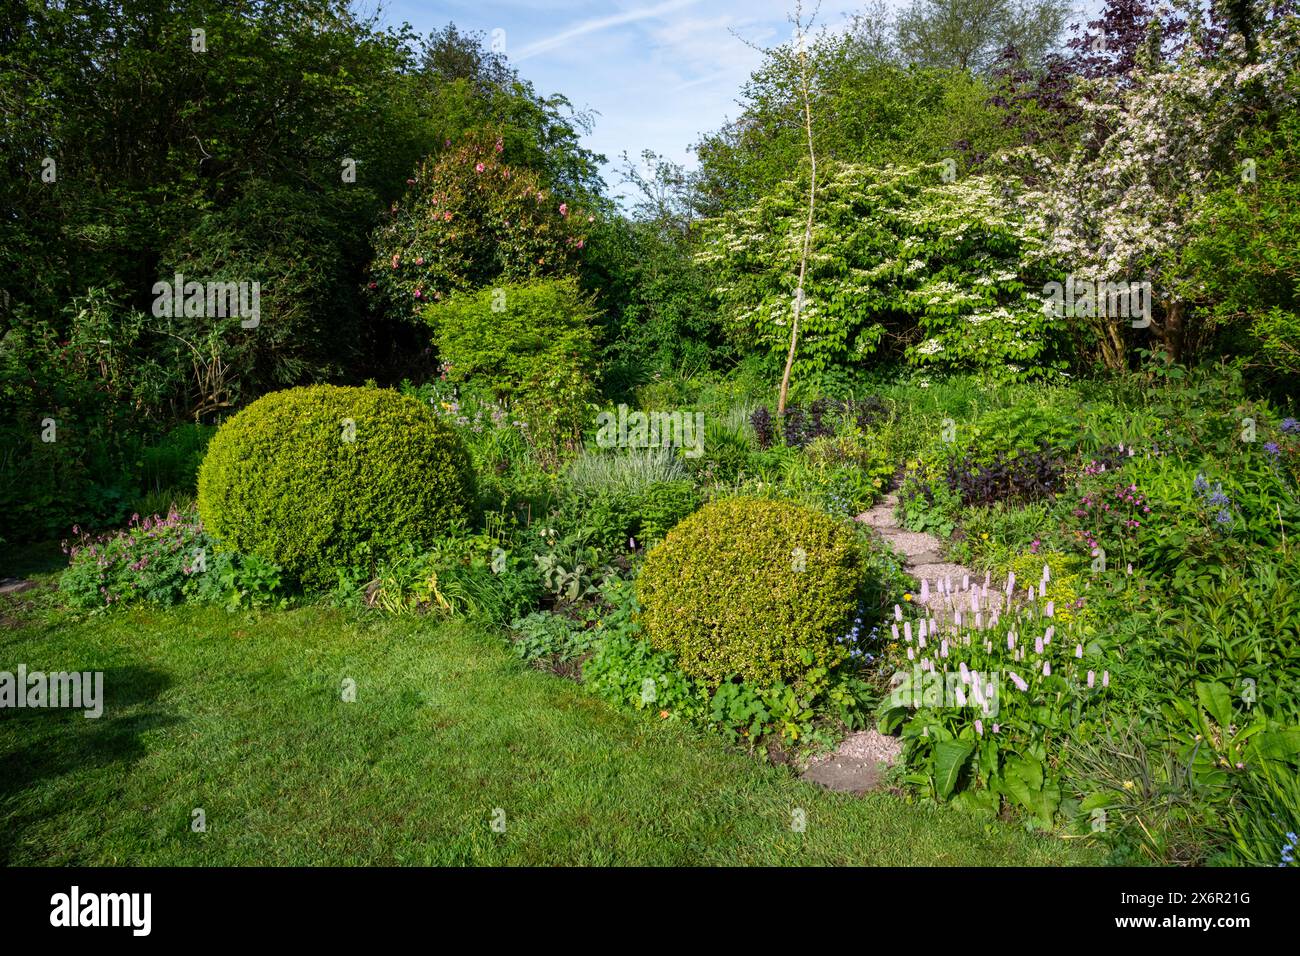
812	200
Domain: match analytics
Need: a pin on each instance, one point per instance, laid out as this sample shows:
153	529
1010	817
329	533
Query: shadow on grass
27	560
40	745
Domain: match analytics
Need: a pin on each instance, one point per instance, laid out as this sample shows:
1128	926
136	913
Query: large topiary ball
759	589
324	477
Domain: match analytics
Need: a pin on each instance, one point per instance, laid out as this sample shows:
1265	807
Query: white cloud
598	24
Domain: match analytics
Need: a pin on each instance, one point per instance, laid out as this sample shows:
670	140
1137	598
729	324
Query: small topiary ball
324	477
755	588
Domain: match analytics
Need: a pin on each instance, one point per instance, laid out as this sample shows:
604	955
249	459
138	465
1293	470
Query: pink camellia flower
419	294
374	285
396	260
500	146
479	168
446	217
420	261
580	242
564	209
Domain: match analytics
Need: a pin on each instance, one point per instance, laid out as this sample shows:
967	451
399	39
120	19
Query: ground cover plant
969	432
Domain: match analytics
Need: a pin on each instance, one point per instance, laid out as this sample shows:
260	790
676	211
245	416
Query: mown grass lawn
242	715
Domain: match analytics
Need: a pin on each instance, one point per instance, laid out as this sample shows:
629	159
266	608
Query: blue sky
657	72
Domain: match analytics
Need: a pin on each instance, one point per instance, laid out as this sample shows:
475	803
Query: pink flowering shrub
469	219
157	559
160	560
1109	516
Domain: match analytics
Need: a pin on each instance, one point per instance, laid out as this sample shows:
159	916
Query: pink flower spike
979	726
1078	650
1092	677
1047	668
1105	678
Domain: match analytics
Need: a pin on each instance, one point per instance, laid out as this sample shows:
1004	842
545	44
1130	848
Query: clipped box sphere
754	588
324	477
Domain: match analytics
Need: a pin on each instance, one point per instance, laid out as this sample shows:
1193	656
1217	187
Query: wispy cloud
600	23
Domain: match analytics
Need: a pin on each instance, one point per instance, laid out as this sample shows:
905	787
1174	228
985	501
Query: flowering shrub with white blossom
1123	205
901	251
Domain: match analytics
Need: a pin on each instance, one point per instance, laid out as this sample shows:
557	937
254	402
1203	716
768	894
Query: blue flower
1218	499
1201	485
1223	517
1290	426
1272	449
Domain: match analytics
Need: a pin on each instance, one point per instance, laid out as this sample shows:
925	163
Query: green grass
242	716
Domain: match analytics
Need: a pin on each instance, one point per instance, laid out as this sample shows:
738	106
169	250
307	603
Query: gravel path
858	764
922	551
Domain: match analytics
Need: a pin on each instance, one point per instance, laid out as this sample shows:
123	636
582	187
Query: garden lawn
242	715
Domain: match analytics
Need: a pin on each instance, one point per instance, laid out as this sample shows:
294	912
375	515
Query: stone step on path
858	765
922	552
